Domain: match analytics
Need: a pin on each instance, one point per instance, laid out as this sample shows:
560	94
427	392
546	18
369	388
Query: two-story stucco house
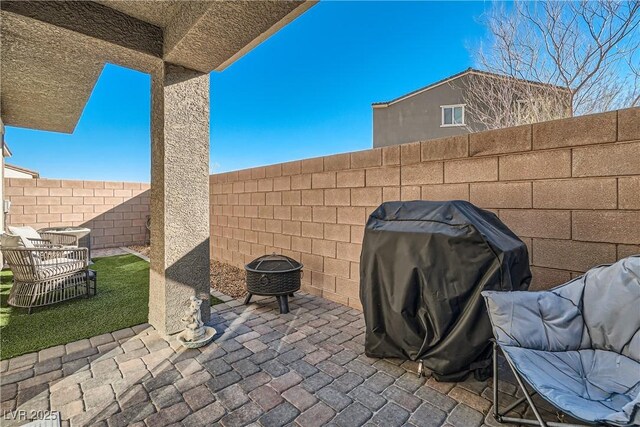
440	110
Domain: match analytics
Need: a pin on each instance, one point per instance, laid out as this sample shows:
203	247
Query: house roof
454	77
54	51
23	170
6	152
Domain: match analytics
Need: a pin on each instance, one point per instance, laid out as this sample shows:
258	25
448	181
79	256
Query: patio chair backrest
25	233
23	263
611	307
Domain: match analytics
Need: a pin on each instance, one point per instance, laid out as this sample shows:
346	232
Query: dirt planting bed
225	278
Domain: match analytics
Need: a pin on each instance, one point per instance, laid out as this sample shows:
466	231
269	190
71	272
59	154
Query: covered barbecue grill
422	269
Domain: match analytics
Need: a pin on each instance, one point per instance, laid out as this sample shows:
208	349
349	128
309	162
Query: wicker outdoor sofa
45	273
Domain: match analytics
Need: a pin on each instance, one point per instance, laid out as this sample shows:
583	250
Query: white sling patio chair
577	346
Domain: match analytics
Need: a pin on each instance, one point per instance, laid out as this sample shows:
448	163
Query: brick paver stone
131	396
470	399
242	416
306	368
428	416
348	382
217	366
274	368
410	382
317	416
71	409
168	416
220	382
164	397
368	398
391	415
300	398
402	398
98	396
198	397
436	398
22	361
61	397
254	381
51	352
354	415
464	416
232	397
280	415
48	365
192	381
245	367
334	398
286	381
101	339
266	397
378	382
205	416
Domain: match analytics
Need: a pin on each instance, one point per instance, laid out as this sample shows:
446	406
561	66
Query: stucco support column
179	195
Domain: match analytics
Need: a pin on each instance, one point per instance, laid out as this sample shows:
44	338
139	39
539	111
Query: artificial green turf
122	301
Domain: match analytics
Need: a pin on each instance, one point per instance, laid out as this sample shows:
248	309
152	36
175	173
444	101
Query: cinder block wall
569	188
116	212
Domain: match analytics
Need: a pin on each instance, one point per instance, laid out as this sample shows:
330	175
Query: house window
452	115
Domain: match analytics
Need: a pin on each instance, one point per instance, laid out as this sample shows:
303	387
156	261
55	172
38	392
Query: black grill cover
422	268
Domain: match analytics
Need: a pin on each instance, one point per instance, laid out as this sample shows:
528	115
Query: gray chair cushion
611	307
592	385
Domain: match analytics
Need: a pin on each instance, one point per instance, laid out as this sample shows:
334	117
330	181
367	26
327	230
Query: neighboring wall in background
116	212
569	188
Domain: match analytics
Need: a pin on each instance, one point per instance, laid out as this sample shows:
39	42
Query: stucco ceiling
159	13
53	52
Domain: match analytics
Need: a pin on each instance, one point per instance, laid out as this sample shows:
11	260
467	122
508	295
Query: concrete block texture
180	228
41	203
569	188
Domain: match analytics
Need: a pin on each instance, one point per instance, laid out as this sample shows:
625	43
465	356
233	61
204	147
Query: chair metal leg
536	413
496	414
247	300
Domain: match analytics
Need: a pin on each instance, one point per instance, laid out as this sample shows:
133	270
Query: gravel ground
228	279
225	278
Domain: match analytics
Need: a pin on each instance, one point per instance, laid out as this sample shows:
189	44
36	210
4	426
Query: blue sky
305	92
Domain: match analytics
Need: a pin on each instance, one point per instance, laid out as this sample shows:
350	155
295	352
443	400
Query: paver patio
304	368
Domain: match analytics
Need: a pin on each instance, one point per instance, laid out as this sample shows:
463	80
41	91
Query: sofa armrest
546	320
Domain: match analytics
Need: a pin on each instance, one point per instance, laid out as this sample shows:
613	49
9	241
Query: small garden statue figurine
195	334
193	320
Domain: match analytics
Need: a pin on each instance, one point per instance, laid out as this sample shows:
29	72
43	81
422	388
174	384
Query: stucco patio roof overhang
53	51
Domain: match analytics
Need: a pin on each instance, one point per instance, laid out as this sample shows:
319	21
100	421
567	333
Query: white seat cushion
56	266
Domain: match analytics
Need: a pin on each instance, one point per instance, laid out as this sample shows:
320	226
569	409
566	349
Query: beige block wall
116	212
569	188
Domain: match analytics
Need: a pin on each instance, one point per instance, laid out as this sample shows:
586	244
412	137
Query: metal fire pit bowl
273	275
